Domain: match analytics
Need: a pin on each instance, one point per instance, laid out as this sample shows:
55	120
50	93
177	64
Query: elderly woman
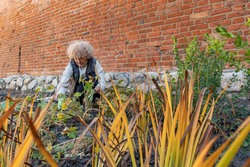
82	67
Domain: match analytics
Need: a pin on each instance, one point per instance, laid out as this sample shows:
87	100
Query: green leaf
72	132
223	32
50	87
230	35
247	52
77	94
248	22
221	29
38	89
238	41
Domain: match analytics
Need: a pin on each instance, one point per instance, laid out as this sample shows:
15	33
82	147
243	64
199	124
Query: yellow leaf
231	151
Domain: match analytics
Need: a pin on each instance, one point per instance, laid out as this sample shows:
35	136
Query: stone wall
26	83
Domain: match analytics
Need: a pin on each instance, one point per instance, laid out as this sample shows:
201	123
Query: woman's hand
61	98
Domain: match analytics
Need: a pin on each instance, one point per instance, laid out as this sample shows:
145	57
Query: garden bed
76	151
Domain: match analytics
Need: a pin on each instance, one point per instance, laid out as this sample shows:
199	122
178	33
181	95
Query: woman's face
81	62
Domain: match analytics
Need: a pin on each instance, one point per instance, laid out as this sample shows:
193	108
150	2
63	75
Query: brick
186	23
166	27
234	14
176	14
166	64
239	7
198	21
221	23
174	20
246	32
185	34
187	1
142	17
235	27
214	1
220	11
166	47
201	26
158	23
133	60
238	20
188	6
170	31
202	2
147	1
156	39
156	43
159	3
216	18
174	8
154	34
202	9
162	7
163	17
199	15
188	12
151	19
185	18
145	31
183	29
142	41
149	10
232	3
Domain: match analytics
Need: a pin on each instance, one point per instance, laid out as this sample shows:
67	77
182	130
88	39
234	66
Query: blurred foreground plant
19	131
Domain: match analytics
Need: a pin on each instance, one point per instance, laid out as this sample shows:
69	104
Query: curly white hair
78	49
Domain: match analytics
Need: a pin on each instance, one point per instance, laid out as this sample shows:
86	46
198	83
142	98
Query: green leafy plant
70	132
207	64
89	93
208	58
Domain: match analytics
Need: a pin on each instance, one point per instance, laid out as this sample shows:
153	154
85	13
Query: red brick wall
126	34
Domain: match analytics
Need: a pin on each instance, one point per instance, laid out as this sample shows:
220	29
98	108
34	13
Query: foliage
144	128
88	92
71	132
58	125
239	43
19	132
181	137
208	58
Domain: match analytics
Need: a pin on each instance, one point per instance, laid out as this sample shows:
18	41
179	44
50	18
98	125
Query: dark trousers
80	88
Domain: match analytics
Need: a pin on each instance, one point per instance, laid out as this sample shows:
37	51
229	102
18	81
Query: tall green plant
207	64
208	58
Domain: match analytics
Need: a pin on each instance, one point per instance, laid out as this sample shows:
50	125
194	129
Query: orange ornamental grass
172	136
20	131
